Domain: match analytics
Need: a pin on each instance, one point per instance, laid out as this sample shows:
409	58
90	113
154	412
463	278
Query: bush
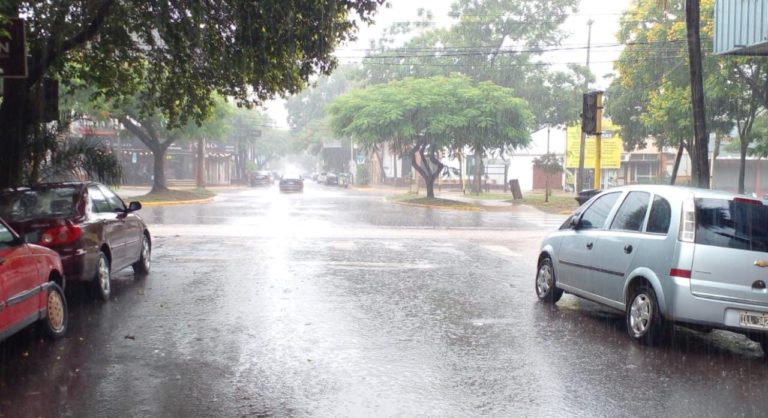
363	177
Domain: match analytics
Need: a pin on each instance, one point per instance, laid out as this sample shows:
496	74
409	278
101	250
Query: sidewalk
133	191
455	195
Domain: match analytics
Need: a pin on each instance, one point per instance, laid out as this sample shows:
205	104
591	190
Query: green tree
182	51
425	118
246	127
495	41
550	164
652	94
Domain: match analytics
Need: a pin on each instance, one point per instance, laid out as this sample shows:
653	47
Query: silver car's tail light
688	222
685	274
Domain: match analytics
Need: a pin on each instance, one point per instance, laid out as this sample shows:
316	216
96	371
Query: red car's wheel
57	318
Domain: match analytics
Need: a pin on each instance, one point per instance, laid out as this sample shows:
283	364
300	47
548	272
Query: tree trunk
477	182
715	154
676	167
159	183
380	158
425	170
506	170
742	165
461	173
12	132
200	178
429	181
700	149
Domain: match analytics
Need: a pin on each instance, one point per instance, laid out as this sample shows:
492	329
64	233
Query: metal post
580	172
598	138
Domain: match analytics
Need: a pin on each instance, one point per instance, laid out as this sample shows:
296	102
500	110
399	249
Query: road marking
501	250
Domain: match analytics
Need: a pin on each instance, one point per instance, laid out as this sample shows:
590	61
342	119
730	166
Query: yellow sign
611	146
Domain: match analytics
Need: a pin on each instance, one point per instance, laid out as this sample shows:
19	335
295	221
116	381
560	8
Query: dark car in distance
31	286
332	179
261	178
90	227
291	182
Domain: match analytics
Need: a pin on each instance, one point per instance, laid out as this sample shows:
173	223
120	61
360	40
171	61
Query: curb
177	202
420	205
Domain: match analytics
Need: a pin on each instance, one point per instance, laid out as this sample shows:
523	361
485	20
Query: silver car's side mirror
575	221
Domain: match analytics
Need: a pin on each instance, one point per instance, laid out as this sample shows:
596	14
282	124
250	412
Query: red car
31	282
90	227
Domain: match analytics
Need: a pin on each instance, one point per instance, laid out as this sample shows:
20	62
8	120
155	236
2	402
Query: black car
261	178
332	179
291	183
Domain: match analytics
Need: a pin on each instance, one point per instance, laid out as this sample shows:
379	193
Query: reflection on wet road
336	303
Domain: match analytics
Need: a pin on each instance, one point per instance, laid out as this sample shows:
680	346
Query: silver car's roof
680	192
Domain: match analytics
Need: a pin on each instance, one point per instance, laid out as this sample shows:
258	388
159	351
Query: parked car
90	227
321	177
665	255
31	286
332	179
261	178
291	182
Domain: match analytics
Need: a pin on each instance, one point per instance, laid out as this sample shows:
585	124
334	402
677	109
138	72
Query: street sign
13	51
611	144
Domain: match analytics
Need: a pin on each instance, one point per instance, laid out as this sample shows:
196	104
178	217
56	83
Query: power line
440	53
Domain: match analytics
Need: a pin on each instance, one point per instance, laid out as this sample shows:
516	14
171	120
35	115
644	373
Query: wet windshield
29	204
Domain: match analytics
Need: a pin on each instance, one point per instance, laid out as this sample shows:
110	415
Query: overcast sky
604	14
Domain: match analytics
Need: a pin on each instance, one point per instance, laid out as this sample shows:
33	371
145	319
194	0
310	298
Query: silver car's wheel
101	282
640	315
546	290
643	317
142	265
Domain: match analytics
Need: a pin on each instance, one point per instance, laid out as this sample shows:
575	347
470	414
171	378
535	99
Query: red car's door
19	287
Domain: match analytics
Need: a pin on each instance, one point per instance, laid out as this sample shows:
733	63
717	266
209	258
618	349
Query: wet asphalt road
337	303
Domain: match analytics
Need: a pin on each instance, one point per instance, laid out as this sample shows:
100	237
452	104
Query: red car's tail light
59	235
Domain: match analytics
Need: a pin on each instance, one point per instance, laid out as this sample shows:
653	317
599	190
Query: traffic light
591	112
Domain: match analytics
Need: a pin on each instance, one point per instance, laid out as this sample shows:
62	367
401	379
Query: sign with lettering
611	147
13	51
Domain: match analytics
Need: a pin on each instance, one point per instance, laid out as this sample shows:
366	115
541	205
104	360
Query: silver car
664	255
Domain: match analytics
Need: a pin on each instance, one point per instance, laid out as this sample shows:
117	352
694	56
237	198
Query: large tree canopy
425	118
181	51
498	41
652	95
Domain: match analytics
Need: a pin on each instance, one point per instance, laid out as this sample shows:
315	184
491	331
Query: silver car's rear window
732	224
19	205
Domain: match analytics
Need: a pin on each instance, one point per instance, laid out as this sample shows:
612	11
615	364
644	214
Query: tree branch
137	130
52	52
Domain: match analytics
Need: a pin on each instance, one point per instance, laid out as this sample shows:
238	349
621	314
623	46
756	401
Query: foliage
652	95
422	118
363	174
549	163
496	41
73	159
177	54
309	105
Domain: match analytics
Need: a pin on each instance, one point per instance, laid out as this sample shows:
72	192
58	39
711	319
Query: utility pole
580	172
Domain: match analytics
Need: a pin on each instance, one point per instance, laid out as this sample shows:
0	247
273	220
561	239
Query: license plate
753	320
